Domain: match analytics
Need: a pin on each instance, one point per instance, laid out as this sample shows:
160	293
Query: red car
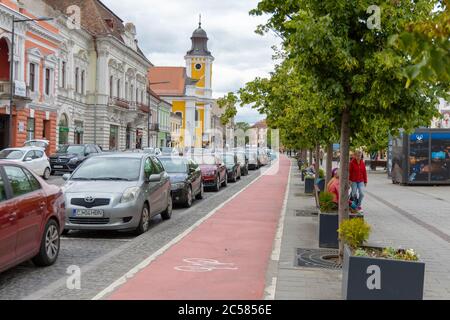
214	171
31	217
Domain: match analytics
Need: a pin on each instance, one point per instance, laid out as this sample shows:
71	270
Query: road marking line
276	252
131	273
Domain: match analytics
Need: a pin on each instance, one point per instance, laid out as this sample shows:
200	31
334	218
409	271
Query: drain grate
306	213
318	258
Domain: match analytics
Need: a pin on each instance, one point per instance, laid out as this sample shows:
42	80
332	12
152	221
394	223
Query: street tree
352	66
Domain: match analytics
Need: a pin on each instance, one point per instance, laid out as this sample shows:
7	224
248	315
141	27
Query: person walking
358	179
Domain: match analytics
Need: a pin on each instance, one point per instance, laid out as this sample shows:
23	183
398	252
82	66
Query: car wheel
144	222
225	183
217	186
189	198
167	214
47	173
49	249
201	193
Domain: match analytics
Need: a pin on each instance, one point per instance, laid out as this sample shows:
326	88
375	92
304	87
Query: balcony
5	89
154	127
143	107
118	102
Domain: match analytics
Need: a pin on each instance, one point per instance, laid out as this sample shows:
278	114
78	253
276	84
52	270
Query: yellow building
189	90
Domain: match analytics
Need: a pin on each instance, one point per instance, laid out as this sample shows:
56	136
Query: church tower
199	61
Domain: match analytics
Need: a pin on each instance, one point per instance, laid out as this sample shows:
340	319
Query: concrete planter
367	278
309	185
328	226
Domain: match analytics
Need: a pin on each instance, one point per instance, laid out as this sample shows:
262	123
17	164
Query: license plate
58	167
87	213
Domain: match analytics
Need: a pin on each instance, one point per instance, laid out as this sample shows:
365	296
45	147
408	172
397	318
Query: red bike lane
224	258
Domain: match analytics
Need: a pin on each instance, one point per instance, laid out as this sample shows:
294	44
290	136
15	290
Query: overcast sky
164	29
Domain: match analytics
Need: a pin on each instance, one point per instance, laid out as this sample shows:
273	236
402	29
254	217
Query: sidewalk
407	217
299	283
226	257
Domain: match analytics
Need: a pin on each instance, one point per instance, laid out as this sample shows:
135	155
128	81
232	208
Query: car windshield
174	165
11	154
205	159
229	159
104	168
40	144
71	149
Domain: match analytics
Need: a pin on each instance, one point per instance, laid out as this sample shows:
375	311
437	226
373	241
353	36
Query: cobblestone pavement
400	216
413	217
105	256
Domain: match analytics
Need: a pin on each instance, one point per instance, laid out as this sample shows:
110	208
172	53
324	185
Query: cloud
164	29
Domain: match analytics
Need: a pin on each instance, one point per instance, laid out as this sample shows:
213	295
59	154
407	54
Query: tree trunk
310	157
344	171
329	164
317	164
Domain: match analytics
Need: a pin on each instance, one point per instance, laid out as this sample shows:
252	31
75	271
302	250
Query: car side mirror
154	178
66	176
86	154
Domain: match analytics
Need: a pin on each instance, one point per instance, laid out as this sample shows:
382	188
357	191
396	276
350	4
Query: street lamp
11	72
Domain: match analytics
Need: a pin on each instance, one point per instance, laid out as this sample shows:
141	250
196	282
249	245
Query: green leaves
228	102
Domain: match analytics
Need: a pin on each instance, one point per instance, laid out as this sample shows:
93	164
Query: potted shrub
309	183
328	221
373	273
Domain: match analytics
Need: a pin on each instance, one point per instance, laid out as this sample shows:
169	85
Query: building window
63	130
118	88
30	129
32	77
47	81
63	74
78	138
126	90
77	76
111	86
82	81
131	93
113	137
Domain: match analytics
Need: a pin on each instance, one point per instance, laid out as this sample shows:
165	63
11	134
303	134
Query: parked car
120	191
263	158
40	143
185	178
233	167
70	156
214	171
33	158
31	217
243	161
253	159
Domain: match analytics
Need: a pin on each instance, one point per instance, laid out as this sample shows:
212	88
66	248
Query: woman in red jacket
358	178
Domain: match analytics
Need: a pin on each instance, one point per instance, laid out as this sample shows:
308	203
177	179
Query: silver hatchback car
120	191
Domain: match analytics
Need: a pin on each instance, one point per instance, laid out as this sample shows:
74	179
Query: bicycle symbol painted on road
204	265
